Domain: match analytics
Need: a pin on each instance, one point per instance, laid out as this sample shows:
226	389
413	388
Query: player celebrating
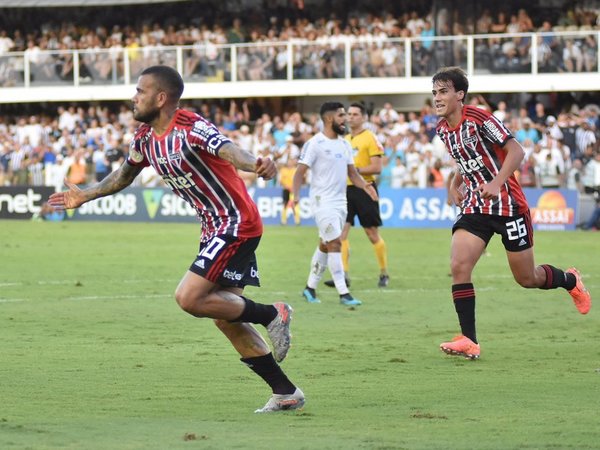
329	157
368	162
491	201
199	164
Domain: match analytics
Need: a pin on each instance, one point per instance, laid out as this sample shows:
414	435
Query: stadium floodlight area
307	68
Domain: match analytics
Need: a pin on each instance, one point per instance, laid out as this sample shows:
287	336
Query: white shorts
330	222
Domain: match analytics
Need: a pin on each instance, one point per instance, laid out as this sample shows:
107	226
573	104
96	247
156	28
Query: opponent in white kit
329	157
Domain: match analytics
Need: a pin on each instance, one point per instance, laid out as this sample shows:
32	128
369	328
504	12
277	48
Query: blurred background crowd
84	142
320	29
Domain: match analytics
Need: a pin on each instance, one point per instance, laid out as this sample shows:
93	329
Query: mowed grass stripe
136	372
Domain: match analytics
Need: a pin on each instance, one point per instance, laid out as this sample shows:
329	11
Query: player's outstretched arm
360	182
246	161
114	182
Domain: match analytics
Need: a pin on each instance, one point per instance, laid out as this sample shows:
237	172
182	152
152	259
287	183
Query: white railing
334	58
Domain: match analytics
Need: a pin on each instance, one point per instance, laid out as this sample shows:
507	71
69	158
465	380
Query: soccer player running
367	160
491	201
199	164
329	157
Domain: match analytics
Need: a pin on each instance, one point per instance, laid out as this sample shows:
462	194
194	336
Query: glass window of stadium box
12	70
206	62
382	58
313	60
261	62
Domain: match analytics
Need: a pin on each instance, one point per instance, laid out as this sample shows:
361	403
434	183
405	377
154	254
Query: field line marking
93	297
116	297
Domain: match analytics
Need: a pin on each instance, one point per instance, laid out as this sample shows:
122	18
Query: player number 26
516	229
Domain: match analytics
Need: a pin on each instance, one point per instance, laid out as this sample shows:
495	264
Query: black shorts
286	197
361	205
516	231
228	261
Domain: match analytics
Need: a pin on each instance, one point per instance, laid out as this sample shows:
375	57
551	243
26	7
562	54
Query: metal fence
340	57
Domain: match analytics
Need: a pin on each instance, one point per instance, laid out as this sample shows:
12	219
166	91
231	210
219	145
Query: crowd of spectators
85	144
377	47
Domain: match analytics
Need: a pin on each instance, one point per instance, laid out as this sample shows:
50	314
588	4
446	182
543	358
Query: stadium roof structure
77	3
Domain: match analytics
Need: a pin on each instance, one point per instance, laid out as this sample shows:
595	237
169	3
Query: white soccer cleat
279	402
279	331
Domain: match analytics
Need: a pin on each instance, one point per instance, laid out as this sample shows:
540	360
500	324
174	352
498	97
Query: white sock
318	265
336	267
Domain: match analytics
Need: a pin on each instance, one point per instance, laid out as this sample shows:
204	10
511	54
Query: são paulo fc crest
174	156
469	140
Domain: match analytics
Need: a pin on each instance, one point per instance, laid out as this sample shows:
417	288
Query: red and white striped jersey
186	157
476	144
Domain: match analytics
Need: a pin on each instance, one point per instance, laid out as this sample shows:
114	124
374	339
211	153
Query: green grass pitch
95	353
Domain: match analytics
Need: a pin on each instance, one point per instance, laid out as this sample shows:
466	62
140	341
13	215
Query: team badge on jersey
174	156
469	140
135	155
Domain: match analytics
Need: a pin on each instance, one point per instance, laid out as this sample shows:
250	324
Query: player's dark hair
359	105
454	75
168	79
329	107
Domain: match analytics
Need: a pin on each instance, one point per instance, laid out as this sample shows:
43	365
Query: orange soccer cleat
580	295
461	346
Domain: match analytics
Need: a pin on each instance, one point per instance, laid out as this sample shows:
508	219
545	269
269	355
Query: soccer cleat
461	346
330	283
384	280
279	402
279	331
348	300
580	295
310	295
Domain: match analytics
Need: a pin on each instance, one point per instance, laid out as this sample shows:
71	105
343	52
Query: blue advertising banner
427	208
400	208
406	208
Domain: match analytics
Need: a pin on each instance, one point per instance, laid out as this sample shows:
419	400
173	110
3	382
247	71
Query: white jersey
328	160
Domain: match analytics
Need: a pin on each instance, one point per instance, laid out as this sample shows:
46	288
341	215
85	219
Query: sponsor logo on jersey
493	130
136	155
232	275
470	165
179	182
201	129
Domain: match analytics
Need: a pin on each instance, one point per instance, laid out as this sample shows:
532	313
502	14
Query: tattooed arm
115	182
244	160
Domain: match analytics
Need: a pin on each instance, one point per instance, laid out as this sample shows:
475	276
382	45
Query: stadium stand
40	143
